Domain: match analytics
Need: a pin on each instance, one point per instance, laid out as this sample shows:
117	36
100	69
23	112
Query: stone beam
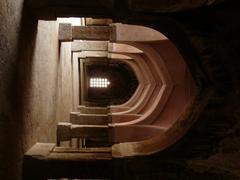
65	32
91	32
115	33
67	131
89	119
69	33
78	45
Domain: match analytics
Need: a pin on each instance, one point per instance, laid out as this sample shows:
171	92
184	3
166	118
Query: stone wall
35	85
38	81
10	15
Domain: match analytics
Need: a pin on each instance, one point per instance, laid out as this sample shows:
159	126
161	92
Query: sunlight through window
99	82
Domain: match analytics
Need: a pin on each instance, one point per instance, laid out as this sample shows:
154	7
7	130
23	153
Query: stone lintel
89	119
92	132
91	32
68	131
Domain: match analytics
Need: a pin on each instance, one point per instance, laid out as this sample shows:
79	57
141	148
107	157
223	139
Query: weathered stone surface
116	33
11	140
65	32
67	131
91	32
90	132
29	70
63	132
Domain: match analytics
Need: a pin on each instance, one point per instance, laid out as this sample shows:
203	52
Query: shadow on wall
15	137
33	93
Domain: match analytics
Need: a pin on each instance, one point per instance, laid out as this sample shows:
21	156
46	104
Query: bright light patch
74	21
99	82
